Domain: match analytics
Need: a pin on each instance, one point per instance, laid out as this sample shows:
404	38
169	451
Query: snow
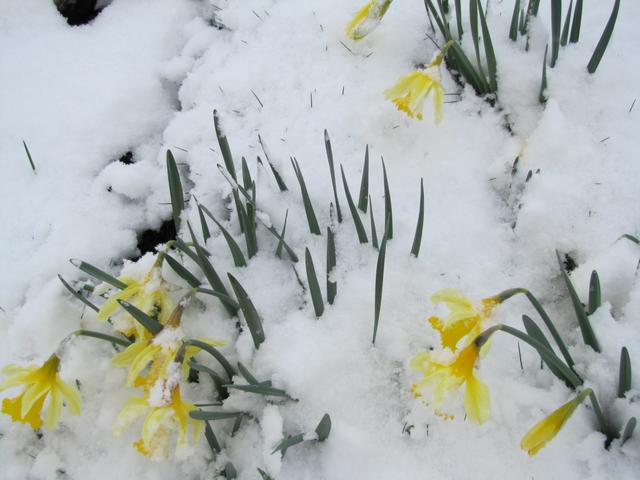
146	75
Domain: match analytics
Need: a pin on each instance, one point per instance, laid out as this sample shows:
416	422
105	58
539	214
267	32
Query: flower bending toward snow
410	92
446	377
148	295
40	383
367	19
162	420
160	351
465	319
545	430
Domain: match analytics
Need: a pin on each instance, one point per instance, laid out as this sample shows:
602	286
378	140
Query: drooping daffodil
443	378
40	383
159	351
148	295
465	320
164	418
411	90
545	430
367	19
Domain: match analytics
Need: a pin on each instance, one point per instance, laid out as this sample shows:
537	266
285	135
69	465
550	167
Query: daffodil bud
545	430
367	19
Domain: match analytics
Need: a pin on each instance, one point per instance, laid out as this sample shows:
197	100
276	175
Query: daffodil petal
33	393
134	408
54	409
140	363
71	396
127	356
476	400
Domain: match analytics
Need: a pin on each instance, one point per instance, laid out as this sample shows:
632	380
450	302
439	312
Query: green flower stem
123	342
550	356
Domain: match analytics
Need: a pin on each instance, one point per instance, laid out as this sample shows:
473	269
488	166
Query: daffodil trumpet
367	19
444	377
40	383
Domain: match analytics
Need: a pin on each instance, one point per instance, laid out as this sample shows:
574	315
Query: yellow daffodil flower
40	383
149	295
162	420
465	320
410	92
446	377
367	19
544	431
160	352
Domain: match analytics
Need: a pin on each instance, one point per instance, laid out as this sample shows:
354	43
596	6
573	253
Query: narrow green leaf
631	238
204	415
182	272
534	331
417	239
206	234
264	390
213	351
175	190
214	445
513	29
246	374
308	207
604	40
564	38
236	252
280	241
280	237
533	7
211	275
324	428
123	342
357	221
287	443
26	149
279	180
364	183
549	357
150	323
588	335
379	281
218	382
76	294
374	235
475	78
246	175
327	145
556	18
489	53
332	287
575	24
314	286
440	21
247	225
186	249
459	18
628	430
388	209
552	328
98	274
542	97
219	295
595	293
224	146
473	22
236	425
230	471
249	310
624	377
264	475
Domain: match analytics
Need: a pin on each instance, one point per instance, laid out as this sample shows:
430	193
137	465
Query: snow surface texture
145	76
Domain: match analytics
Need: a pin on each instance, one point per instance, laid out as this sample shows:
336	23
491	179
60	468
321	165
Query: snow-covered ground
145	76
